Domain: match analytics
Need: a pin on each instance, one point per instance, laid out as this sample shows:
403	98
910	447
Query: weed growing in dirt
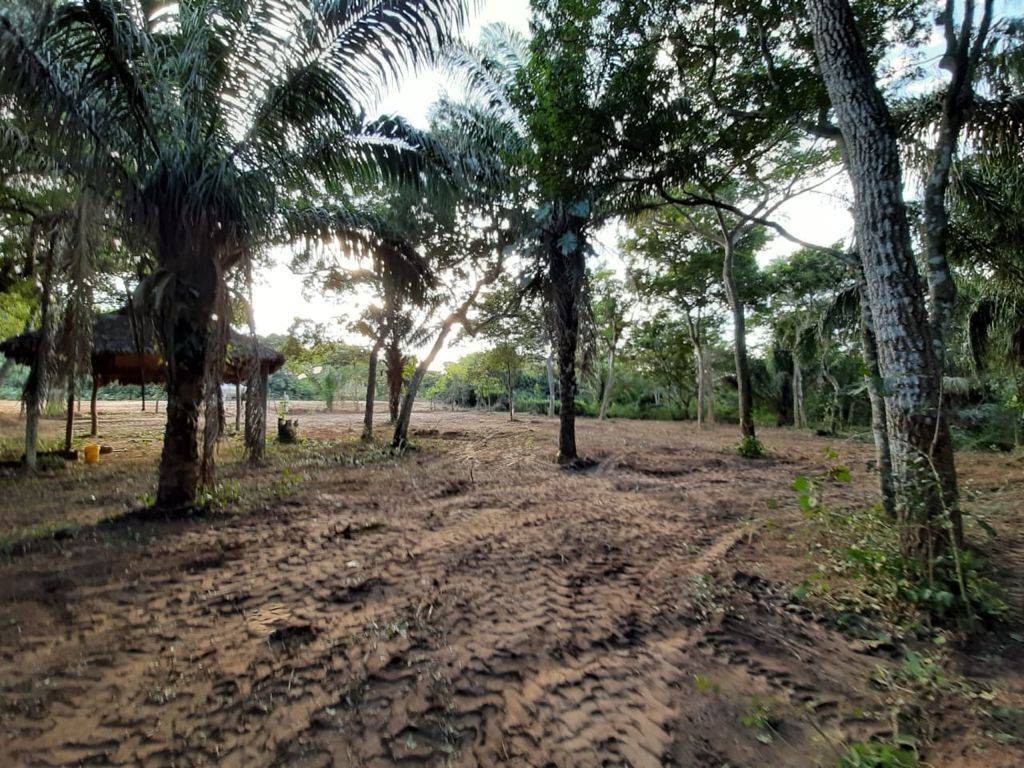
874	754
706	685
22	539
865	545
761	718
703	597
221	496
750	448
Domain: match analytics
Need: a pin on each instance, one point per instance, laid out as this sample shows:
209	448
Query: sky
818	217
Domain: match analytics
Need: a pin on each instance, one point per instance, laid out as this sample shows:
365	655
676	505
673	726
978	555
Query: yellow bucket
92	453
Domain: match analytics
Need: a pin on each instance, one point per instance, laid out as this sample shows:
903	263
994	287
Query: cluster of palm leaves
213	128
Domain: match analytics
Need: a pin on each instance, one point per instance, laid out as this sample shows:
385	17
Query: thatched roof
115	355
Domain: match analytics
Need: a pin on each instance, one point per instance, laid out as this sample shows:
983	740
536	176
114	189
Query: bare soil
469	603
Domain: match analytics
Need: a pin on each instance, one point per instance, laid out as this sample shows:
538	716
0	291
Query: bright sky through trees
819	217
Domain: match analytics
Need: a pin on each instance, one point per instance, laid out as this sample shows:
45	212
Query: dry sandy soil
469	604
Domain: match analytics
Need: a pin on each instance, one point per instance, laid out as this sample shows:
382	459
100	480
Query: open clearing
469	604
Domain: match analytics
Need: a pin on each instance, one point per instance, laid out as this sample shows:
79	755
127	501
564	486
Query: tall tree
207	145
922	449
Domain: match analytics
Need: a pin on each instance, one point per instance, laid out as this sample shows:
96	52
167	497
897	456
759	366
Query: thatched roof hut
116	355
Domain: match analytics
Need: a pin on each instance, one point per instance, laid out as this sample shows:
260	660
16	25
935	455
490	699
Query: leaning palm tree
213	125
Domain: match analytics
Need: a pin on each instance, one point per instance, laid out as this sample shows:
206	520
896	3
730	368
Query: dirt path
470	605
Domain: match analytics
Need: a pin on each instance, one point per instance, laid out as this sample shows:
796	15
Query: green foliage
865	545
875	754
750	447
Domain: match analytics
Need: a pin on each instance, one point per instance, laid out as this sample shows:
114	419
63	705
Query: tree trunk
238	403
879	429
393	363
94	426
185	320
739	320
551	385
799	412
35	386
699	362
69	423
921	449
609	382
371	392
401	435
567	272
511	395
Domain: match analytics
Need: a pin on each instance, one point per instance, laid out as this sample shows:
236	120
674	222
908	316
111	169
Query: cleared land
472	604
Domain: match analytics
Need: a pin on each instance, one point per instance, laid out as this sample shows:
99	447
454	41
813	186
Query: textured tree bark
709	386
921	449
879	429
739	322
371	391
393	363
799	411
961	58
36	383
567	273
699	363
185	319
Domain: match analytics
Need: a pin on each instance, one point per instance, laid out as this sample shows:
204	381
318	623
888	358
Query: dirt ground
468	604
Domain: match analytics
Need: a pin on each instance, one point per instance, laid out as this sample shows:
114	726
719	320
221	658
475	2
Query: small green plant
760	718
750	447
289	480
873	754
706	685
865	544
222	495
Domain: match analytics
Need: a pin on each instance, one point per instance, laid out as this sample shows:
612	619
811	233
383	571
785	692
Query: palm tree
205	123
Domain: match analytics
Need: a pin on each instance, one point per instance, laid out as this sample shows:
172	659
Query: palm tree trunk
185	325
568	272
179	461
35	386
921	448
739	322
371	391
